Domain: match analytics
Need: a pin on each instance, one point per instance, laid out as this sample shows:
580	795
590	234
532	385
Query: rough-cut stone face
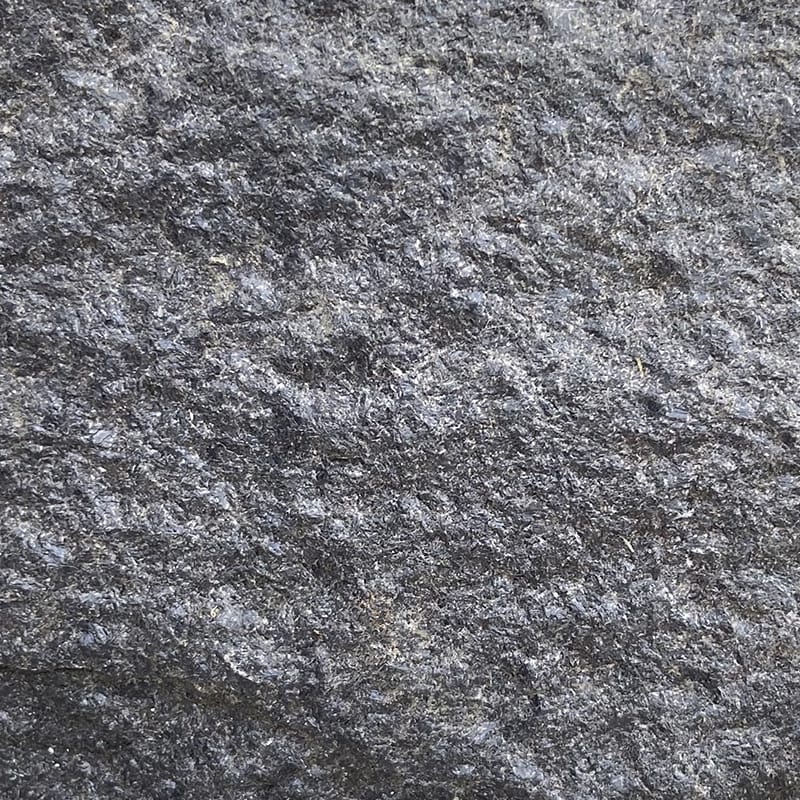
399	400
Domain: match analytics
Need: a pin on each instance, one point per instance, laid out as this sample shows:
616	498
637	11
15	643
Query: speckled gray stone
399	400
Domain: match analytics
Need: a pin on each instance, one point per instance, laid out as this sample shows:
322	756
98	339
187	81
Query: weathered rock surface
399	400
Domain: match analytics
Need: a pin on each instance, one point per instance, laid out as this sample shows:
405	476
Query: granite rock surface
399	400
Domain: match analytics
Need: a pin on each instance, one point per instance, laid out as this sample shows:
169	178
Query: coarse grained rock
399	400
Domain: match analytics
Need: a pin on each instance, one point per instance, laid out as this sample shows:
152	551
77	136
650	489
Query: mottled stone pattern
399	400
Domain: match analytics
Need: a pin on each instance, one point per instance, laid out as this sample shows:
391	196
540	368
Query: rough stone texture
399	399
